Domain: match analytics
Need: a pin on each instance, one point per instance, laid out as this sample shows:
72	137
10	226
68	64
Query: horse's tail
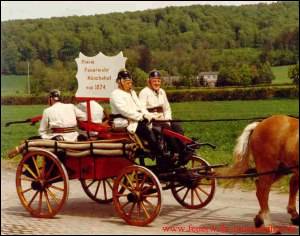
241	153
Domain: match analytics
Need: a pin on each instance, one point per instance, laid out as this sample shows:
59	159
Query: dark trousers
174	144
148	135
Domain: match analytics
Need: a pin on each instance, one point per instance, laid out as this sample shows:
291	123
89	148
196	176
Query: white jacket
96	111
150	99
60	115
128	105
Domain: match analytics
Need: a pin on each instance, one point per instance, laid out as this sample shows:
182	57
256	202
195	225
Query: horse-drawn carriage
116	167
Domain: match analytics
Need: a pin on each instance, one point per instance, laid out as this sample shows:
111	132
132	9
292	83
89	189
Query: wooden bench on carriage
117	167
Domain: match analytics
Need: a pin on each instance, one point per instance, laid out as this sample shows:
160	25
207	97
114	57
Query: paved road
230	212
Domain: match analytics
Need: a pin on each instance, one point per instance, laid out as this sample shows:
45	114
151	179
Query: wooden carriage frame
109	175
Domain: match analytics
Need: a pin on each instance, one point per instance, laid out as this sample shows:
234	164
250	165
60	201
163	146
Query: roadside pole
28	80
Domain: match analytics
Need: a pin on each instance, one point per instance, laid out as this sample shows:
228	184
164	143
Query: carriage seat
103	127
119	130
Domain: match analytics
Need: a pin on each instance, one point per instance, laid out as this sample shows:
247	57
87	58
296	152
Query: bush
233	94
294	73
218	94
30	100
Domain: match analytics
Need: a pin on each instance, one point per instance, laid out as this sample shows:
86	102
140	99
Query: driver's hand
148	117
159	117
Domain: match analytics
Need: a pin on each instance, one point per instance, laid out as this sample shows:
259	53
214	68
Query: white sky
11	10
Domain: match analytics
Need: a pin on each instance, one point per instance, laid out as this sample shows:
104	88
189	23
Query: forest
244	40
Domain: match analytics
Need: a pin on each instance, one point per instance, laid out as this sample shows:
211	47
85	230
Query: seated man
127	111
98	116
59	121
97	111
154	98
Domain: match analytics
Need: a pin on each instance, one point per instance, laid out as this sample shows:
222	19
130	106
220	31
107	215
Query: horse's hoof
258	221
295	221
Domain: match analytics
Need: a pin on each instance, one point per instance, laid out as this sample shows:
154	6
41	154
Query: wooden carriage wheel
42	183
195	194
137	195
98	190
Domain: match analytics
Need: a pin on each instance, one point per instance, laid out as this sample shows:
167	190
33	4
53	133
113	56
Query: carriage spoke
48	202
36	166
40	201
148	188
124	205
131	209
198	196
54	178
156	196
32	199
202	190
26	190
43	168
143	182
97	189
126	187
178	190
129	181
149	203
57	188
134	178
50	170
25	178
109	184
185	194
94	181
145	210
192	197
104	187
30	171
139	209
122	195
52	195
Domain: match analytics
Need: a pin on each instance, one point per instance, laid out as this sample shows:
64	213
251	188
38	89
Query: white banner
97	75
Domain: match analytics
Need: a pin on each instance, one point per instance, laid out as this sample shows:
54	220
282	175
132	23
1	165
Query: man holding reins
154	98
127	111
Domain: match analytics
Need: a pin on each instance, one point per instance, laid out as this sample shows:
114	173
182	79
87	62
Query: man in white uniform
97	117
97	112
154	98
127	111
59	121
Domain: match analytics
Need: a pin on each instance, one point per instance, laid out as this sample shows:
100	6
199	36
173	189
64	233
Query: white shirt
60	115
128	105
150	99
96	111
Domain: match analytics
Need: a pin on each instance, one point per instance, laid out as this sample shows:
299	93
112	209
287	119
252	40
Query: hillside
241	42
162	31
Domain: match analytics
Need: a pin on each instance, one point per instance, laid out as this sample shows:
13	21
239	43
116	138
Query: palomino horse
273	144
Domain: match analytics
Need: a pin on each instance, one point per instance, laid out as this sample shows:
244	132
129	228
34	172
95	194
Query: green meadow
13	85
281	75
